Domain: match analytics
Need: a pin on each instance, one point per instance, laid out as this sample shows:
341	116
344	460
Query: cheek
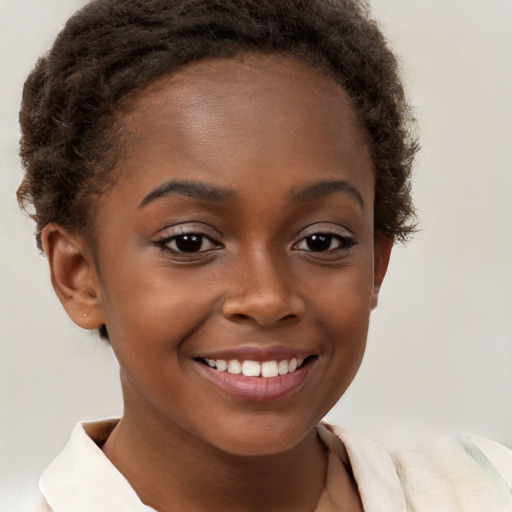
150	312
342	315
150	324
343	302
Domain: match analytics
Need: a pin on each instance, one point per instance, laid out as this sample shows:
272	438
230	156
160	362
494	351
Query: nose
262	293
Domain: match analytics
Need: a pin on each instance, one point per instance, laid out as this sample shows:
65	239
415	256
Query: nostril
240	316
263	308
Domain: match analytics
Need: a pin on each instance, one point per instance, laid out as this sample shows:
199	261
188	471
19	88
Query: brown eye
324	242
187	243
319	243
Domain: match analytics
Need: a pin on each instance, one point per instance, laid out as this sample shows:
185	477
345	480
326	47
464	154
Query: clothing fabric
463	474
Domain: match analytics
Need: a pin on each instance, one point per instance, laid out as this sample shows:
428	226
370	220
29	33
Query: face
238	235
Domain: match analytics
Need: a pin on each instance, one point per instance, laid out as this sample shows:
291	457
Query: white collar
378	483
83	479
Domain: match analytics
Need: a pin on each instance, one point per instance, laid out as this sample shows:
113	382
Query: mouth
257	380
264	369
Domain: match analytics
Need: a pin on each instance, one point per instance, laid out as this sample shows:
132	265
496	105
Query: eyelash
345	243
164	243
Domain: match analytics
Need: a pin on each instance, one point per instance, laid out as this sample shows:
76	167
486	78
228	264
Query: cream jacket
463	474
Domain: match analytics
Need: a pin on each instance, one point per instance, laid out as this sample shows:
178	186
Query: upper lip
258	353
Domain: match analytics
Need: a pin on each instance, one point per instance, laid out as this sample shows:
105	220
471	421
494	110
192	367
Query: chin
264	439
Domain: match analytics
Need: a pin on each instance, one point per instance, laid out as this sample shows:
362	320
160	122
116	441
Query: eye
332	244
320	242
188	243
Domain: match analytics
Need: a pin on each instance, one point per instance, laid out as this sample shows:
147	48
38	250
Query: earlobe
382	253
73	275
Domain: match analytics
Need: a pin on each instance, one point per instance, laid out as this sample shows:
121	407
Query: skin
261	128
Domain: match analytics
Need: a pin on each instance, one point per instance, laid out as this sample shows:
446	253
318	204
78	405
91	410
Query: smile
264	369
253	380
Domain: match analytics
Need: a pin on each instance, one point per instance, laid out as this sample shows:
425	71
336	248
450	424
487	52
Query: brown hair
113	47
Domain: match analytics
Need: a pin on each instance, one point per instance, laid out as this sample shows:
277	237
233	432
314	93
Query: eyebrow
324	188
188	188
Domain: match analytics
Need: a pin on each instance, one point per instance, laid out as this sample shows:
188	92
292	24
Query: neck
166	466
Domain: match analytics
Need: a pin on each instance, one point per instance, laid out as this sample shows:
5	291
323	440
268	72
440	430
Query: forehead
231	78
258	116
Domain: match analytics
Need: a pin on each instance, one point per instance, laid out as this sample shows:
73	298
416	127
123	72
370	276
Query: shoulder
38	504
461	473
472	472
82	479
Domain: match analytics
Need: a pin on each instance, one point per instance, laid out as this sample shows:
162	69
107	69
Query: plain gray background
439	357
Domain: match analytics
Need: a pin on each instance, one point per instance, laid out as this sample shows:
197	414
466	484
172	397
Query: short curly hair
113	47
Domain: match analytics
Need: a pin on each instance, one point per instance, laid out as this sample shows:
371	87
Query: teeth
221	365
251	368
266	369
234	367
269	369
282	367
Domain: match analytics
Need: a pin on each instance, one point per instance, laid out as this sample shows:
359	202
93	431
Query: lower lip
257	389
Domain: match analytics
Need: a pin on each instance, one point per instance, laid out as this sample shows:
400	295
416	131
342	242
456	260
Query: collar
378	483
76	479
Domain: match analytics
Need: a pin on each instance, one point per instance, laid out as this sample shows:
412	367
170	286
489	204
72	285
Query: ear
74	276
381	252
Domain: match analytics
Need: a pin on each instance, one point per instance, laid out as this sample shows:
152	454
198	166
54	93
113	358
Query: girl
217	188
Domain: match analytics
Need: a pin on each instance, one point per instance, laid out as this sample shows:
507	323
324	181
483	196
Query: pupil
189	243
319	243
